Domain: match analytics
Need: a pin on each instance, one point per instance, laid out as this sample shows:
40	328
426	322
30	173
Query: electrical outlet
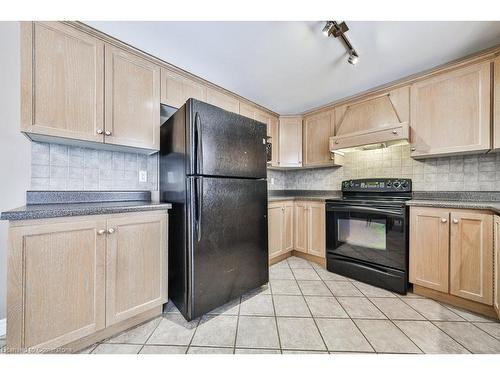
143	176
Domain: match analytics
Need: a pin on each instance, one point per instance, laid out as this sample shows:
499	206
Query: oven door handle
365	209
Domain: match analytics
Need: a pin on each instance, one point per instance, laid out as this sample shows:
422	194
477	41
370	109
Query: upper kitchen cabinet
62	82
450	112
317	130
223	100
132	89
177	89
496	104
271	121
379	118
290	141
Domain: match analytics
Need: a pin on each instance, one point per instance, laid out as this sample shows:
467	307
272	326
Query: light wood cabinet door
316	229
275	224
136	267
273	132
429	247
223	100
62	82
316	132
132	100
471	256
300	228
450	112
176	89
496	104
496	299
56	283
288	226
290	142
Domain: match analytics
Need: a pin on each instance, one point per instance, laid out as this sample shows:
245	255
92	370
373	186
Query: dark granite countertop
50	204
479	205
41	211
304	195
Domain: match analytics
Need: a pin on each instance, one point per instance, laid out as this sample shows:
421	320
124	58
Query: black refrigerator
213	171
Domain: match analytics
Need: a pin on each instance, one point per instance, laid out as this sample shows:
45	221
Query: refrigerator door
228	253
225	143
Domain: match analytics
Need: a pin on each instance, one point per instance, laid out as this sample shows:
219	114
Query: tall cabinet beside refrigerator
213	171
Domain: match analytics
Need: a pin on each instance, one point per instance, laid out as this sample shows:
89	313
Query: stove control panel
378	185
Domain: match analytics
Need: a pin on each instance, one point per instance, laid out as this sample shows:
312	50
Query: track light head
327	28
353	58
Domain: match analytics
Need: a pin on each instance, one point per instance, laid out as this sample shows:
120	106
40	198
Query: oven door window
372	237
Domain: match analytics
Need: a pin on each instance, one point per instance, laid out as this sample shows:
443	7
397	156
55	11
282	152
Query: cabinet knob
99	131
394	132
107	132
111	230
282	208
413	149
444	220
336	142
455	221
101	231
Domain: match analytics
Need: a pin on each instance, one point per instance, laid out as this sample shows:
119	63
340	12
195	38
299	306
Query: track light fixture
338	30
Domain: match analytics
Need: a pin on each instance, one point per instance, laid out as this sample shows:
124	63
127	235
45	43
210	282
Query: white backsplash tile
57	167
451	173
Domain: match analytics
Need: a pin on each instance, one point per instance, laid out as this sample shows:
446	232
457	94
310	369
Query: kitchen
370	223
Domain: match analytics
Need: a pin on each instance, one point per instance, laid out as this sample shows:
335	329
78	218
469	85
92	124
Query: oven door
372	234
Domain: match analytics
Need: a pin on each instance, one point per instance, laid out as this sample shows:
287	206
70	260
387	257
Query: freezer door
229	254
225	143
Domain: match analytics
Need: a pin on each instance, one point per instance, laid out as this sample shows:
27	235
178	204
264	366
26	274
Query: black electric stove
367	232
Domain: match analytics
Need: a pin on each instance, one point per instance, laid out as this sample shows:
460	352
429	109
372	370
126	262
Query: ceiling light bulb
353	59
326	29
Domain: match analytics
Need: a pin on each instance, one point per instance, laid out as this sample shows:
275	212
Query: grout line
151	334
276	318
237	325
478	327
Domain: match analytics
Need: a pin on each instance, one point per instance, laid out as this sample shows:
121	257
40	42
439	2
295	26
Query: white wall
14	147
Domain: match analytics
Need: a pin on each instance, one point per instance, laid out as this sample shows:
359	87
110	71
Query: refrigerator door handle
199	206
199	145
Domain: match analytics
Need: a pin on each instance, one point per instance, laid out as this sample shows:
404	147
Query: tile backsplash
454	173
58	167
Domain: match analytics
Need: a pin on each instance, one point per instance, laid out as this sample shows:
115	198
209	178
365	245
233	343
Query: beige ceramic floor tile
432	310
299	333
257	332
325	307
173	330
216	330
396	309
327	275
491	328
360	308
295	262
257	351
372	291
257	305
385	337
137	335
281	274
343	288
117	349
314	288
429	338
471	337
291	306
305	274
163	349
342	335
287	287
209	350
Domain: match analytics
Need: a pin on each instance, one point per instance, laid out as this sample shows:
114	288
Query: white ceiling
290	67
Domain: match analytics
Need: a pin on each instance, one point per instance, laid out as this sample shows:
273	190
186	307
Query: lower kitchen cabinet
496	299
451	251
429	247
309	228
280	228
136	266
69	278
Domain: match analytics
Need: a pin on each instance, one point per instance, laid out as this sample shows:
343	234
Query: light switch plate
143	176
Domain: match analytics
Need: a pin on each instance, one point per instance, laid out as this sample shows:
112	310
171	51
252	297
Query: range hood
369	140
